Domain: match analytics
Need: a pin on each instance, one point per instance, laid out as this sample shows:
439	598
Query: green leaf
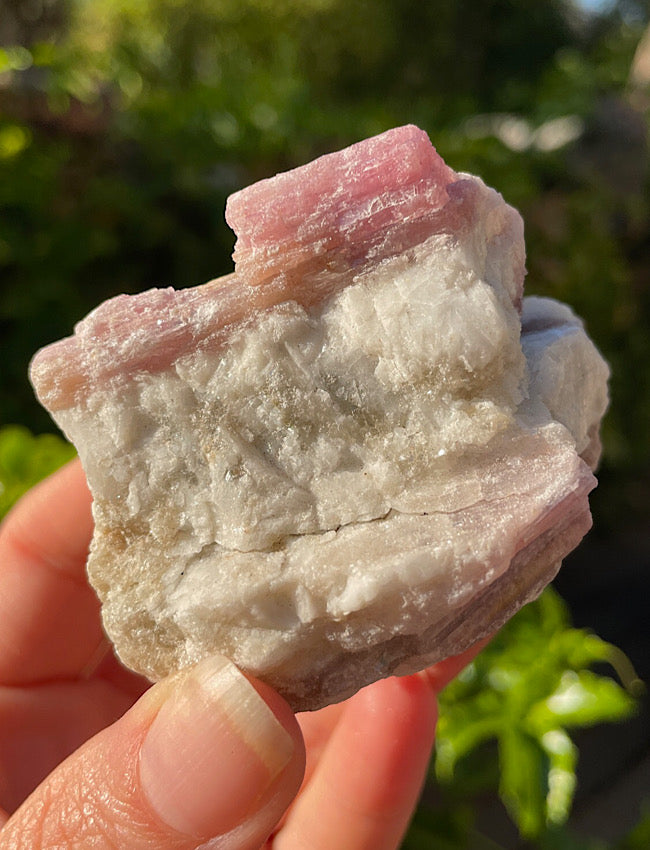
523	781
15	58
583	698
563	757
25	460
553	612
456	739
582	648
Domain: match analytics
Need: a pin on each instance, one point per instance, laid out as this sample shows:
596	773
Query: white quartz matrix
345	460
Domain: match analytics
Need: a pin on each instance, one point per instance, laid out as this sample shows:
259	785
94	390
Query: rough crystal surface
355	455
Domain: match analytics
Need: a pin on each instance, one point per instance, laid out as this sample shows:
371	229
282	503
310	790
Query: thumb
204	756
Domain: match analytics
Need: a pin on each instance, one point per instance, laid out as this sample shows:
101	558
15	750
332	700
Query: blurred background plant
124	125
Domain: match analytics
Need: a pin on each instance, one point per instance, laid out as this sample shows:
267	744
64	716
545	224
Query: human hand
92	756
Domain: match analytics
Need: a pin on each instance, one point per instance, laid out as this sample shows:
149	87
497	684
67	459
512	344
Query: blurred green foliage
524	693
124	125
25	460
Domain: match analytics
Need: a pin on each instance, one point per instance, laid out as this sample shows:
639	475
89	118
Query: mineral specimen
360	452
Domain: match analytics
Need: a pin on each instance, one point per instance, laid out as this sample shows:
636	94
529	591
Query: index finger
49	616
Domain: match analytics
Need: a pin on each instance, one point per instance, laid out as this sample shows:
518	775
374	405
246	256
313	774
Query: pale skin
72	720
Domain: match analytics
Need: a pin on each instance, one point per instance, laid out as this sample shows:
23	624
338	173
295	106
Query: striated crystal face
346	459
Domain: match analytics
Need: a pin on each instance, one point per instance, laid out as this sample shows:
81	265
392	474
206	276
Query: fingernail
212	751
